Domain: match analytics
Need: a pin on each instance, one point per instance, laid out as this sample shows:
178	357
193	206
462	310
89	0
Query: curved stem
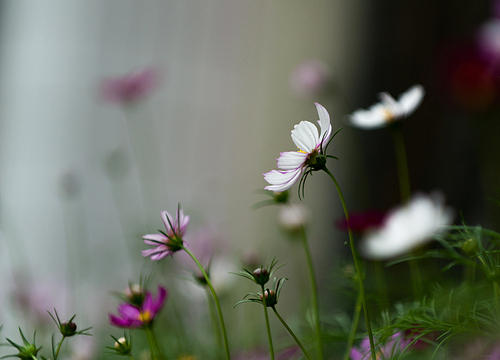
291	333
59	347
216	300
268	328
213	319
357	265
354	326
314	294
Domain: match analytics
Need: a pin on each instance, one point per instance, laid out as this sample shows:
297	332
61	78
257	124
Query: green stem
268	328
291	333
213	319
357	265
381	286
314	294
354	326
152	349
59	347
216	300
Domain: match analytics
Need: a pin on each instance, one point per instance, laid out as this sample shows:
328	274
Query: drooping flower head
310	156
170	241
129	88
388	110
408	227
390	349
130	316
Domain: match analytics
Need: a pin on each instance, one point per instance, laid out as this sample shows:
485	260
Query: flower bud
134	294
469	246
123	346
271	298
261	276
68	329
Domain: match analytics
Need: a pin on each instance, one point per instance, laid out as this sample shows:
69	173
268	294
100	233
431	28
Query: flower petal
168	220
305	136
411	99
155	237
282	180
324	124
291	160
373	118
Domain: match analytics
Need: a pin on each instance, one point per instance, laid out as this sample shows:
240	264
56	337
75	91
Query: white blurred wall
221	116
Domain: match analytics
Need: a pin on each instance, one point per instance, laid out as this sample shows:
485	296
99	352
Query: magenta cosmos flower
310	143
131	316
166	243
129	88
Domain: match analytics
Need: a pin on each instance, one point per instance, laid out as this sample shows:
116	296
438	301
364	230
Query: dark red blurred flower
362	221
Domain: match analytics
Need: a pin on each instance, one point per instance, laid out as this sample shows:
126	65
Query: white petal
291	160
373	118
282	180
305	136
167	220
324	123
411	99
408	227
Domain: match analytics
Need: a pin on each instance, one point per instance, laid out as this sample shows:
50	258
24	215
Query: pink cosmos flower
394	345
310	143
131	316
129	88
166	243
310	78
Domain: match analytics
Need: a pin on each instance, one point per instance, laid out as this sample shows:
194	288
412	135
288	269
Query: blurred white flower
407	227
310	78
388	110
488	41
293	217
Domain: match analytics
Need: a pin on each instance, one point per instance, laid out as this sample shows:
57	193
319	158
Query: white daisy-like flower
408	227
310	143
388	110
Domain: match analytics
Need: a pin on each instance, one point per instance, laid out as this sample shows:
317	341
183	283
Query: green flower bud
134	294
68	329
261	276
271	298
123	346
469	246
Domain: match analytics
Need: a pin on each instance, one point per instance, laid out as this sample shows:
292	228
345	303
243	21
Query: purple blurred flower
129	88
310	78
131	316
166	243
394	345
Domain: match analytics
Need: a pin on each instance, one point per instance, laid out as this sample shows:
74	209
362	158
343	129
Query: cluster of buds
271	295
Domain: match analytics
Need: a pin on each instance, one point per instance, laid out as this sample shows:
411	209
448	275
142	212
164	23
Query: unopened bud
271	298
469	246
134	294
122	346
68	329
261	276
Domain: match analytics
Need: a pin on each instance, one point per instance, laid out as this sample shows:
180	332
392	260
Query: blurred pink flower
129	88
131	316
310	78
393	346
362	221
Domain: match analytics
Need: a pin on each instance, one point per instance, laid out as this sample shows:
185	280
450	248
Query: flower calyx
271	295
27	351
68	328
262	274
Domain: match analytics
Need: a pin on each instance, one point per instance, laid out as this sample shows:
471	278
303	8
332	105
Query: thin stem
152	347
354	326
314	294
153	344
268	328
291	333
216	300
213	319
59	347
357	265
381	286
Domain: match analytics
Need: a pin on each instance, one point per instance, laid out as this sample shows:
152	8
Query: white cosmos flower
407	227
388	110
310	143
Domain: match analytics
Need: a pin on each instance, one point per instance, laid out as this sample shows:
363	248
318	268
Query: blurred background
111	112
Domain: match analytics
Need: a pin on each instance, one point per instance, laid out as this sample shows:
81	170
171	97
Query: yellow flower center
389	114
145	316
